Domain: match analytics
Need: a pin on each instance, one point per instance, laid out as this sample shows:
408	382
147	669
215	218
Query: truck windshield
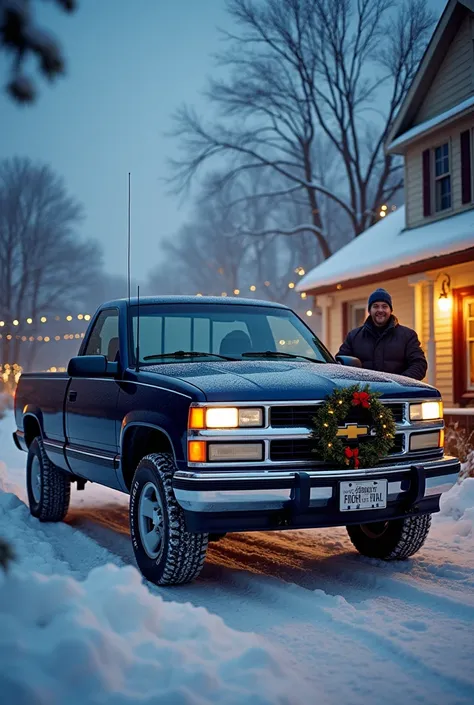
219	331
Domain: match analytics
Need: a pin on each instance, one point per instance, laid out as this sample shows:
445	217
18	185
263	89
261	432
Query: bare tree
218	252
44	266
306	74
20	37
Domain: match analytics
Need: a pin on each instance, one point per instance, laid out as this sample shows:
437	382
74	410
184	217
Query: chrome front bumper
268	490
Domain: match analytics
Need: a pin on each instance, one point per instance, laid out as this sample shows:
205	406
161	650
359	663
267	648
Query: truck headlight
426	411
225	417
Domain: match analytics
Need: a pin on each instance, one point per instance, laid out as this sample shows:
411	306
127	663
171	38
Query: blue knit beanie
380	295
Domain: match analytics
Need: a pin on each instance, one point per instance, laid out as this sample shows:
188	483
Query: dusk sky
131	63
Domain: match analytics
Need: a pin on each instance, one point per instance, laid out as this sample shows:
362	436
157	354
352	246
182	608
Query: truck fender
31	411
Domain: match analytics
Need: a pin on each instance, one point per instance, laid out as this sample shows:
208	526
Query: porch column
325	304
431	342
417	285
421	284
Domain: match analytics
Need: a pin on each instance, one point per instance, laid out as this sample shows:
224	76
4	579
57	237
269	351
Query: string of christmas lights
44	319
42	339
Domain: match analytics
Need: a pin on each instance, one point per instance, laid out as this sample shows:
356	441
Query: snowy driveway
350	629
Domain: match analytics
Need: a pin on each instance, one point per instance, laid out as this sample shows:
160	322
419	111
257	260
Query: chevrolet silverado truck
201	409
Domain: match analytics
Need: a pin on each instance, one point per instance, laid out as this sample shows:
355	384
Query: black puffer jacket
396	349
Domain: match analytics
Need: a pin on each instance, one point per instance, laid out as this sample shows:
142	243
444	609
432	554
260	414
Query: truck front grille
300	449
300	416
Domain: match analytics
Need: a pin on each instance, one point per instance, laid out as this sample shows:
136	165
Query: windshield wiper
276	353
187	353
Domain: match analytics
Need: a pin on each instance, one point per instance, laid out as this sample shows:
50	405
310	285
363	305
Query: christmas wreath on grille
330	421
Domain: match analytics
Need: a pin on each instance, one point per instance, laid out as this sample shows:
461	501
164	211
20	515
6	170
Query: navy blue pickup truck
202	409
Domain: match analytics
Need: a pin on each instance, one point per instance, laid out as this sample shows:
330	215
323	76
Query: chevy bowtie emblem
352	431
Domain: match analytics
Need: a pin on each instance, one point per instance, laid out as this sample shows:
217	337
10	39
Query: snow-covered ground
285	617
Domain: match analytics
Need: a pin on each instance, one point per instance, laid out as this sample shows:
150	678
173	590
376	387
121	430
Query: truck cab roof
174	299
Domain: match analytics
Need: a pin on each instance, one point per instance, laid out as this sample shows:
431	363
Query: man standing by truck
383	344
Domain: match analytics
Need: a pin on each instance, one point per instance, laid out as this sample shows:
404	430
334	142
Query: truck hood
280	380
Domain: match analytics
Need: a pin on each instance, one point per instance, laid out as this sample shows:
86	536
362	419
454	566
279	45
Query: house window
354	314
442	178
357	314
463	345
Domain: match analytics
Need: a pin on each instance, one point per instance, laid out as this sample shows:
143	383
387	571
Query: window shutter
466	166
426	183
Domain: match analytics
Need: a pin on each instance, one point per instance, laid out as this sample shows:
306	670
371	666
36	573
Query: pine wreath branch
334	412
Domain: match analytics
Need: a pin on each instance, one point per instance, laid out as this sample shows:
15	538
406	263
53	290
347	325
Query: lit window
463	344
469	341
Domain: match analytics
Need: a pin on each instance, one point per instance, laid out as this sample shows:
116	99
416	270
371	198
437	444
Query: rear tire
49	489
166	553
393	540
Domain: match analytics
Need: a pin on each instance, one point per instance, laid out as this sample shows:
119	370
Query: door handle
72	396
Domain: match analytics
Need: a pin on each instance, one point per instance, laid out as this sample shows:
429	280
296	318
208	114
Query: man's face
380	313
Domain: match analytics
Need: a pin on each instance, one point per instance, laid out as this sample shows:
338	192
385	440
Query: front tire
165	552
393	540
49	489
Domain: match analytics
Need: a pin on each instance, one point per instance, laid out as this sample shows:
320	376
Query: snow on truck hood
280	380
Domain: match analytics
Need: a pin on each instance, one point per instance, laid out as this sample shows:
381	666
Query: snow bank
455	521
458	505
107	639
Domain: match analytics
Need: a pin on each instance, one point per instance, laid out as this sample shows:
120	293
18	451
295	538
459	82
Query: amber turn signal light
197	452
196	417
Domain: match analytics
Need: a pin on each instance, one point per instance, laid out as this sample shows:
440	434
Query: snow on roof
387	245
430	125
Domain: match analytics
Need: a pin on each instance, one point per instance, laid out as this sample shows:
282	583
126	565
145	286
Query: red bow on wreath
352	453
361	398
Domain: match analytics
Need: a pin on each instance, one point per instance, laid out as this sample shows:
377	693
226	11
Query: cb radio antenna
129	241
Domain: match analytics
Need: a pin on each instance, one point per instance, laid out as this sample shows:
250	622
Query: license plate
362	495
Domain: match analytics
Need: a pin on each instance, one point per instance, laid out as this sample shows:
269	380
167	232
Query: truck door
91	409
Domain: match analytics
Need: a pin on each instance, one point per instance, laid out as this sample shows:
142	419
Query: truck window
222	329
104	338
287	338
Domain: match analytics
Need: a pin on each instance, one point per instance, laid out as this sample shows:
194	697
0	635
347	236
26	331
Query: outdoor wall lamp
445	300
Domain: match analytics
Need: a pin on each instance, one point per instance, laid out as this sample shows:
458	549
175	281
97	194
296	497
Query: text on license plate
364	494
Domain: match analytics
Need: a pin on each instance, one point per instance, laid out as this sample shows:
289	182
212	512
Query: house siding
454	81
414	173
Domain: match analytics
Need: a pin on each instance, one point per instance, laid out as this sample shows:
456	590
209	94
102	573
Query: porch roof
388	250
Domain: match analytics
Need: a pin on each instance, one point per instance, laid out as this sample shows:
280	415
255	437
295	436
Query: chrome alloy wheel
150	520
36	479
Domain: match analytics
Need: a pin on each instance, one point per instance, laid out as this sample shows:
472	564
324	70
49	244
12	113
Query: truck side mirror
92	366
348	360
